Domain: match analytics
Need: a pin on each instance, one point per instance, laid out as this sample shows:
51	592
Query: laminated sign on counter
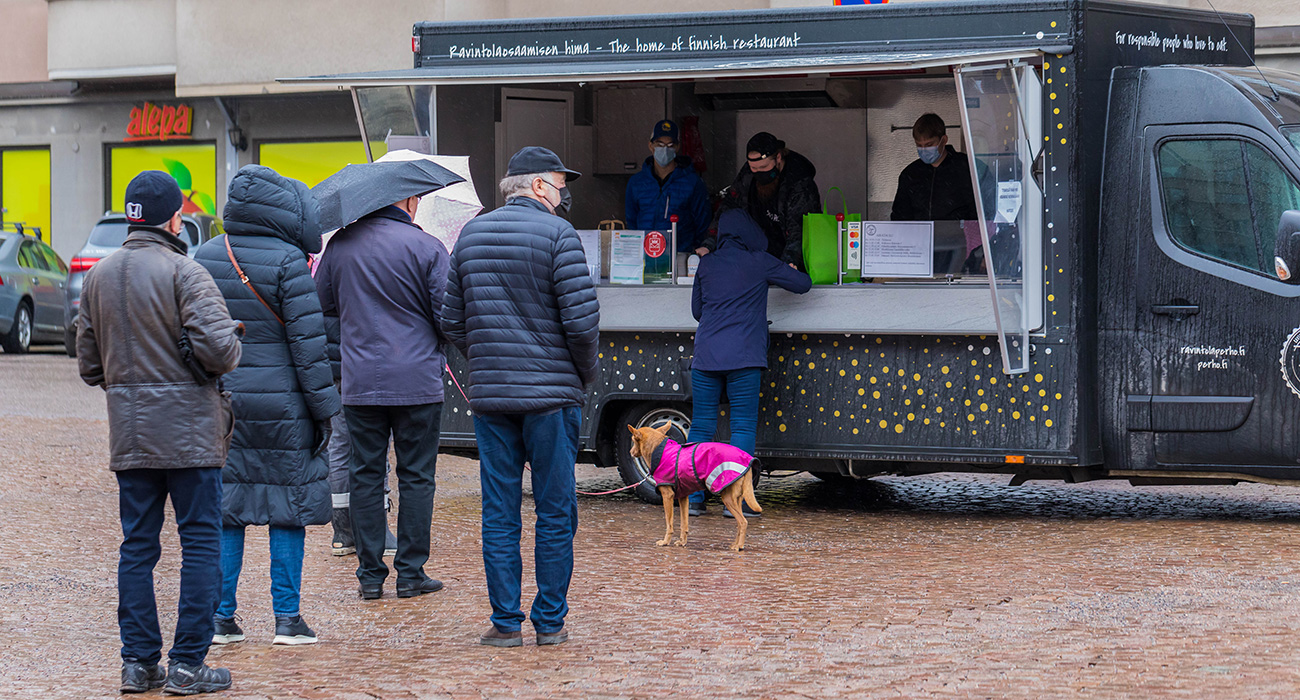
627	257
897	248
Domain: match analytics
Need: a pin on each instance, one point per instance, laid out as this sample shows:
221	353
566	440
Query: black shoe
697	509
138	677
744	508
560	636
343	544
371	591
410	590
292	631
227	631
184	679
390	543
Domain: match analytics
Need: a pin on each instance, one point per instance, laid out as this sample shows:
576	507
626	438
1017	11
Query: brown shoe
496	638
558	637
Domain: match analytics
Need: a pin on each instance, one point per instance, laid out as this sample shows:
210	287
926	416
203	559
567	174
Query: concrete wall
22	51
111	38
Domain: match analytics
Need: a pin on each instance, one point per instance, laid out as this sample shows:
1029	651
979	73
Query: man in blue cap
666	185
154	333
521	307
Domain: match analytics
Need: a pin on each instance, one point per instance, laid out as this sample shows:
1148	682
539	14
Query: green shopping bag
820	233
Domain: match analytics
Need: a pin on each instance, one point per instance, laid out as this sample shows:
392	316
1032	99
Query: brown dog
645	441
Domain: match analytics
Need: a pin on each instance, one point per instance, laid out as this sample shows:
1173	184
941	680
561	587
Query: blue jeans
549	443
196	500
286	569
742	394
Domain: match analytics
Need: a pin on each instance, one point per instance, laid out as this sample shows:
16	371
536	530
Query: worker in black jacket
521	307
776	187
937	185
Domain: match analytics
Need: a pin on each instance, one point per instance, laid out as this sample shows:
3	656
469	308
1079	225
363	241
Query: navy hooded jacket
683	194
729	298
521	307
283	384
381	283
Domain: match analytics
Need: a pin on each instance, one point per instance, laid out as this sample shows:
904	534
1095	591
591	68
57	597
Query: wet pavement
939	586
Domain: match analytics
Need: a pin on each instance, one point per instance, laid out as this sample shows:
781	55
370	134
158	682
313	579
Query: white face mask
665	155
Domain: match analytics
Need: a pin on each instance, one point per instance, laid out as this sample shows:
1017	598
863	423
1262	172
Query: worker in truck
777	188
936	186
667	185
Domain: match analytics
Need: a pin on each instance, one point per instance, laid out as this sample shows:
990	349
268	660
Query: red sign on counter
655	244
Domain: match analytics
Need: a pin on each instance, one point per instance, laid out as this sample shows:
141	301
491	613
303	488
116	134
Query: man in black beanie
776	187
155	334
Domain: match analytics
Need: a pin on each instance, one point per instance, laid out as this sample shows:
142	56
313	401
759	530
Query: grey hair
512	185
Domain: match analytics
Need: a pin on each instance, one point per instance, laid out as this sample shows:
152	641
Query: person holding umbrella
381	281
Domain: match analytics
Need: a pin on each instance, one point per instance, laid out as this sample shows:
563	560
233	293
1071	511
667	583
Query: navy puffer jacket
521	306
283	384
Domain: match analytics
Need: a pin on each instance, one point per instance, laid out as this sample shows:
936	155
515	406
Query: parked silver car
108	235
33	305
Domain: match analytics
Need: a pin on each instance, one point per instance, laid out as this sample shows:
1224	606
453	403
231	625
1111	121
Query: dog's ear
663	429
630	429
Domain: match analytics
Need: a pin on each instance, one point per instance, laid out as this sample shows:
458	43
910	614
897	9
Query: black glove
322	430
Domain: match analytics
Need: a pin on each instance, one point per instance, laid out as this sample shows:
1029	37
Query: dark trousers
742	387
549	443
196	499
414	431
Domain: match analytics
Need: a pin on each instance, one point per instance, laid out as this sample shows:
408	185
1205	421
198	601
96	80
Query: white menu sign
897	248
591	248
627	259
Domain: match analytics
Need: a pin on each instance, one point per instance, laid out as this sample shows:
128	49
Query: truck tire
648	414
19	338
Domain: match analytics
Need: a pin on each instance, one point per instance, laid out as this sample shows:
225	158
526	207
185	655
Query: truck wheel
647	415
19	338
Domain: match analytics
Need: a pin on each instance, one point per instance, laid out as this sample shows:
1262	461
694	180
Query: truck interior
853	123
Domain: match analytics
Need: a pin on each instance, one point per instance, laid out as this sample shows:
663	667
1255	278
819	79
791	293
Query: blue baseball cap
664	128
152	198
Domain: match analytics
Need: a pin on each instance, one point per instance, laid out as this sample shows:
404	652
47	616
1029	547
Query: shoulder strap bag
244	278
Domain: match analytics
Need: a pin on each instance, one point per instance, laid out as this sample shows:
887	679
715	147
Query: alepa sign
151	122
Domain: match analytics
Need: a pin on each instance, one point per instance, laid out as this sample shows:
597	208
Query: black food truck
1128	320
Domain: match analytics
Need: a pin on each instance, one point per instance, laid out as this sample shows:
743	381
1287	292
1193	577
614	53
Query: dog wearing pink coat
680	470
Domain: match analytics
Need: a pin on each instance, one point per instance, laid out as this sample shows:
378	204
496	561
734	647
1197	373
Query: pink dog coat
699	466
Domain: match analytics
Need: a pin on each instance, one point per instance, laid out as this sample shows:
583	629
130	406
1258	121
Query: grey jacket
134	305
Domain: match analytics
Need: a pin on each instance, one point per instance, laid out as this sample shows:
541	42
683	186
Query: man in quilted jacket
522	308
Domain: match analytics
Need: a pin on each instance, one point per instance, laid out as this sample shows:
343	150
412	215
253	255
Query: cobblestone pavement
943	586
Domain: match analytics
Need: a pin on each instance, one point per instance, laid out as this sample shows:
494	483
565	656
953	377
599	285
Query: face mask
566	199
765	177
929	154
665	155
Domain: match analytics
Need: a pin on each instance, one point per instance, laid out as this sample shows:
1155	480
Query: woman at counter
729	300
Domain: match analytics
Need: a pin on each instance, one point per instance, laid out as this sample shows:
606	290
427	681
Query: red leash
584	493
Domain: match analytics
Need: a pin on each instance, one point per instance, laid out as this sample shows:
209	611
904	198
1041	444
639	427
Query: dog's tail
747	494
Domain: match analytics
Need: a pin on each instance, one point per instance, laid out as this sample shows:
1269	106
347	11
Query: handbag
821	236
244	278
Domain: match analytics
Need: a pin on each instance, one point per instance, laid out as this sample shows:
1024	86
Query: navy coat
381	283
522	308
683	194
729	298
283	385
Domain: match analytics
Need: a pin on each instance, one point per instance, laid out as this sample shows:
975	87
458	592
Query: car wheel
19	338
70	341
650	414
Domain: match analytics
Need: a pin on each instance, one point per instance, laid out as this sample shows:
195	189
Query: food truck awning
678	68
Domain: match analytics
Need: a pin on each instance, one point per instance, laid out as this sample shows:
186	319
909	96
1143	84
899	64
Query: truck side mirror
1286	253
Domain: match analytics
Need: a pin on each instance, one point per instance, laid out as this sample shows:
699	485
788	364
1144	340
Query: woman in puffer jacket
283	390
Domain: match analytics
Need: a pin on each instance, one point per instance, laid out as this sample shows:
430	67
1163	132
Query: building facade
93	91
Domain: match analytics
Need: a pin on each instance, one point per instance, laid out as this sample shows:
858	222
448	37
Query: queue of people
289	411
